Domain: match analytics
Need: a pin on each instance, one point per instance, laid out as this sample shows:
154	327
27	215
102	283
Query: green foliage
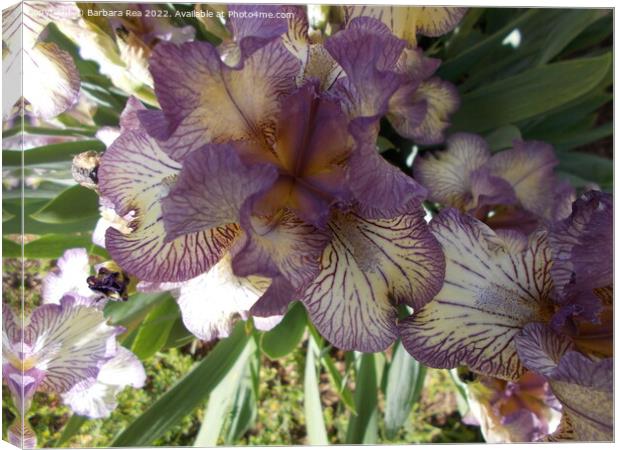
155	328
363	426
284	337
404	386
186	395
277	387
315	424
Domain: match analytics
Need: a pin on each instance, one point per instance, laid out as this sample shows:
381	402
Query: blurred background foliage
522	73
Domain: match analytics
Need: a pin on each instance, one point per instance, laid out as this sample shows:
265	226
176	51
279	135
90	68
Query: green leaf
6	216
71	205
178	336
460	64
244	410
221	399
362	428
531	93
588	167
569	141
154	331
11	249
315	424
54	245
404	386
71	428
50	153
190	392
335	378
503	137
570	24
461	390
286	336
384	144
131	314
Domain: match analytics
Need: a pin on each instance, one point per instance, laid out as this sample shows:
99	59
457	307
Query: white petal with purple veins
135	174
489	295
69	277
370	266
69	341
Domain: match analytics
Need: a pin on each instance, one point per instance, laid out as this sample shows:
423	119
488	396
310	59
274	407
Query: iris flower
511	303
122	44
524	410
248	161
66	347
51	82
512	189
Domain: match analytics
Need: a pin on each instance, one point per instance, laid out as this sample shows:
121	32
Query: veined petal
51	80
21	434
135	174
406	22
583	386
368	53
369	267
129	120
488	296
442	99
581	245
381	189
205	101
252	29
528	167
96	398
124	369
211	189
69	277
447	174
211	303
275	300
311	148
69	342
91	399
12	61
582	253
11	329
406	111
279	245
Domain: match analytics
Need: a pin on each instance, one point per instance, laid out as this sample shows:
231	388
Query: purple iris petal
276	299
211	189
582	252
584	386
253	26
367	52
278	245
311	147
448	174
528	168
135	174
582	245
381	189
406	22
490	293
370	266
205	101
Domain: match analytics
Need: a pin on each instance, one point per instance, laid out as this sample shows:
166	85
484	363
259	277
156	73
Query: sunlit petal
135	174
488	296
583	386
205	101
369	267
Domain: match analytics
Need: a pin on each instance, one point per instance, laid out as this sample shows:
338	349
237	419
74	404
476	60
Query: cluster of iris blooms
257	182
